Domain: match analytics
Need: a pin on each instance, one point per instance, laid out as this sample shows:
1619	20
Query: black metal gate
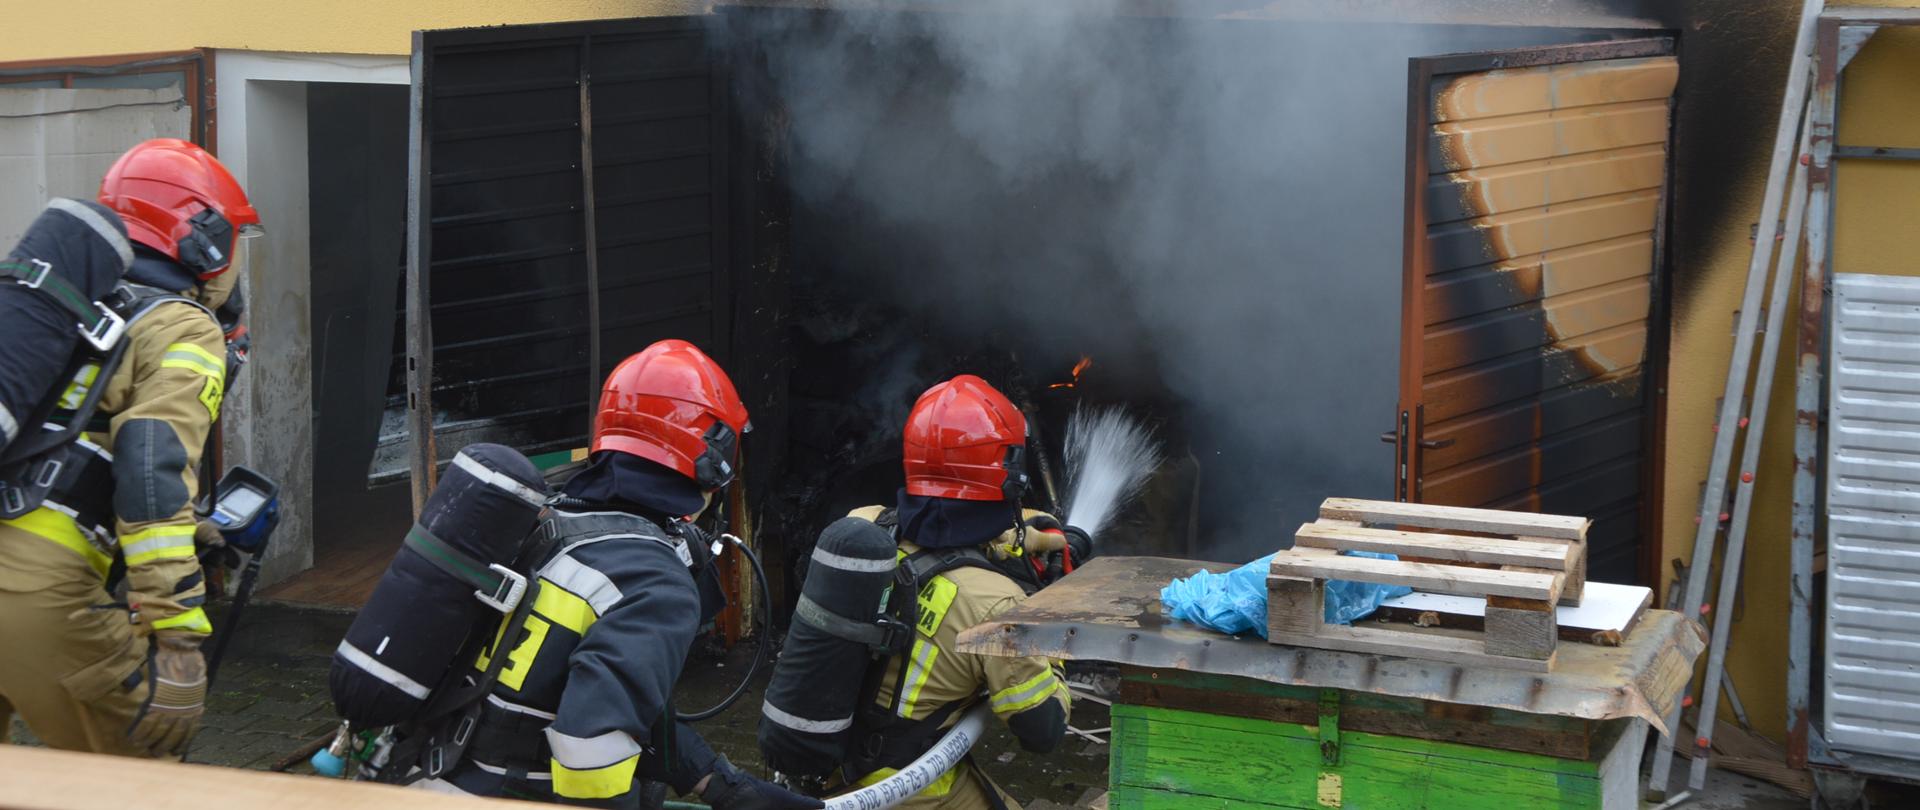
566	207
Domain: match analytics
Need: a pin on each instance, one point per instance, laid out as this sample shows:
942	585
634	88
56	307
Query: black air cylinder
420	617
807	720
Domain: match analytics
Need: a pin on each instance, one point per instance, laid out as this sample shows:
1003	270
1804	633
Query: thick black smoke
1217	201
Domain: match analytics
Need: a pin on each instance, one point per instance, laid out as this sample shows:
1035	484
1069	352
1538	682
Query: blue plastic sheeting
1236	602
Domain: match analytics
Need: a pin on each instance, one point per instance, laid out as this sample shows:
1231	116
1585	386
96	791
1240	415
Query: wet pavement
270	698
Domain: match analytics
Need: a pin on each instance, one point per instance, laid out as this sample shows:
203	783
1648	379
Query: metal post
1792	104
1783	276
424	461
589	210
1808	390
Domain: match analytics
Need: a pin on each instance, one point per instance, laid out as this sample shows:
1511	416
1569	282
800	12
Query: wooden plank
1457	518
1424	576
1294	606
45	779
1200	757
1407	644
1576	585
1520	627
1550	554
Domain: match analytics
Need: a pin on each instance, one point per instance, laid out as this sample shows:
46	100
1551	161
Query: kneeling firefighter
580	713
88	672
953	552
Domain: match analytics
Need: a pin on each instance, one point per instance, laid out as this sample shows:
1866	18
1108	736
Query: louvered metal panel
1534	232
1873	524
516	253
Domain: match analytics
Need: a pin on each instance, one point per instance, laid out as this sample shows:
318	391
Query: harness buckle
107	332
49	472
41	269
896	636
506	597
13	500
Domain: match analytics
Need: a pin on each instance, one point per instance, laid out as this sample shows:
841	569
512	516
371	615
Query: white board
1604	606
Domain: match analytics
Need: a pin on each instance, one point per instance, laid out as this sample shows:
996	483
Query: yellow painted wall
1876	230
56	30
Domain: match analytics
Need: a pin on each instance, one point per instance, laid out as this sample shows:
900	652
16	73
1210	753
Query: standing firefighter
580	713
961	541
88	672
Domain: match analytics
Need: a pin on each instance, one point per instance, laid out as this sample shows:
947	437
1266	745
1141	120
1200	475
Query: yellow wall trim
104	27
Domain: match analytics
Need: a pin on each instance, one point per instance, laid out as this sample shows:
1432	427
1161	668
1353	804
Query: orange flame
1077	368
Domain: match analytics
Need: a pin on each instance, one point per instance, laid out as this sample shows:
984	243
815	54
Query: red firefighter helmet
672	405
966	440
177	199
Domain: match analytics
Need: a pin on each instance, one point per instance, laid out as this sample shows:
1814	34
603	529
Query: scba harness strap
54	465
458	723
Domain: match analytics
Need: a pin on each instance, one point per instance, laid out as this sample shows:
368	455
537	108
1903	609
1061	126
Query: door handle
1391	437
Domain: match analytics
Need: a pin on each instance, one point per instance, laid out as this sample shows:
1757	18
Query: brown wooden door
1534	207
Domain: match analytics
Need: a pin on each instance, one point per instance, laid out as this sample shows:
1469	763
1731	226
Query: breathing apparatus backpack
63	294
858	609
462	565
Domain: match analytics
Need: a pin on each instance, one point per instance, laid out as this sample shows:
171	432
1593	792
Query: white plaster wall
262	137
58	143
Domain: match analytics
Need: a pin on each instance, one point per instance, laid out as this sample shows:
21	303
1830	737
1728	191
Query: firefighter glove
735	789
176	694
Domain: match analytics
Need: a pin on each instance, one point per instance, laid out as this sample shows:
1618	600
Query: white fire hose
916	777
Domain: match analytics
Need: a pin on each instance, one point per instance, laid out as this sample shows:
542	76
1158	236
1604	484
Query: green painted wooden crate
1168	758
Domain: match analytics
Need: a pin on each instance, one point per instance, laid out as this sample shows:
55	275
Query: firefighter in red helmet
961	533
85	670
581	715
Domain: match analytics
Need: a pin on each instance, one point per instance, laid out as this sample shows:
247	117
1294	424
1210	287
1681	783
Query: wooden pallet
1522	563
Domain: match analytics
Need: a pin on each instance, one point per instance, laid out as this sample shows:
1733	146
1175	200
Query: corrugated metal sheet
1873	523
509	277
1542	206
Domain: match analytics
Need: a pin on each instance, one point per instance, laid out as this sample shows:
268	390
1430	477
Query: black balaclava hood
952	523
157	271
629	483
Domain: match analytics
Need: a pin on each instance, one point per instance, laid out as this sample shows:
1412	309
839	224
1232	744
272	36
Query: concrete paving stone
282	709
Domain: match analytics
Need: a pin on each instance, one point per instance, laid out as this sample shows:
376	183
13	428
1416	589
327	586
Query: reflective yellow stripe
594	783
194	620
82	383
940	787
520	659
159	542
193	358
1025	695
563	607
61	530
924	653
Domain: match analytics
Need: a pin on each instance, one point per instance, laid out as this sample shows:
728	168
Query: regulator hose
760	644
914	778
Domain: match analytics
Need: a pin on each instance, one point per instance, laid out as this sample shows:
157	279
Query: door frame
1409	419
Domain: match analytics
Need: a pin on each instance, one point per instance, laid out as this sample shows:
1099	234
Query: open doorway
357	163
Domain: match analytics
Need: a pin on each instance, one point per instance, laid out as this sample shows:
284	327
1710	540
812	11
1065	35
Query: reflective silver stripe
9	427
537	776
498	480
587	753
388	675
575	577
802	724
854	564
160	543
1042	684
519	709
99	224
923	654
